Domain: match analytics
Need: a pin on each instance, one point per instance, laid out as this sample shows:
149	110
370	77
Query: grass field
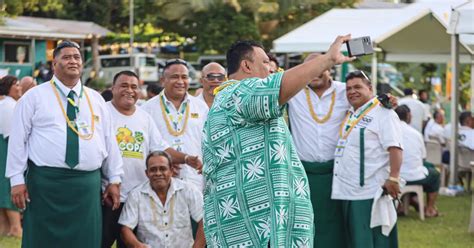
448	230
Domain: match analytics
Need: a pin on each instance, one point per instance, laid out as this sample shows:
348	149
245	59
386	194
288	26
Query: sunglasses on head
215	76
171	62
357	74
68	43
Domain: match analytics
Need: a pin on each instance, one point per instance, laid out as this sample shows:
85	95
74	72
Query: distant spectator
418	110
107	95
274	66
27	83
414	170
152	90
10	92
434	128
466	132
423	96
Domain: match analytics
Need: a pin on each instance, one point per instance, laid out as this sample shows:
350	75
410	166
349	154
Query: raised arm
296	78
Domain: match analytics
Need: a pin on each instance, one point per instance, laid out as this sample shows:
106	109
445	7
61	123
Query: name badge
83	128
194	115
177	143
341	144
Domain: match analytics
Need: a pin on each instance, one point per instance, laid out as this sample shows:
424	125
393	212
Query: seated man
161	209
466	132
434	129
413	170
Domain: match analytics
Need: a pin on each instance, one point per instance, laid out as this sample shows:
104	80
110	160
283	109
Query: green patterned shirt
256	188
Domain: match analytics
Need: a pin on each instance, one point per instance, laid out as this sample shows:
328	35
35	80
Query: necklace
165	112
71	123
311	110
351	124
155	212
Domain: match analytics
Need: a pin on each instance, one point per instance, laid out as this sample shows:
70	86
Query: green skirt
359	234
64	210
328	221
5	195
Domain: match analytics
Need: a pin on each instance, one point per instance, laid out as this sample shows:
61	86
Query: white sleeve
17	155
7	120
129	215
157	143
112	168
421	143
195	203
390	134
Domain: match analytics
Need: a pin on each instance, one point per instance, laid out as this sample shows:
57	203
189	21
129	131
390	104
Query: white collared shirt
137	136
418	111
7	106
466	137
40	133
435	131
317	142
413	154
382	130
168	225
201	97
190	141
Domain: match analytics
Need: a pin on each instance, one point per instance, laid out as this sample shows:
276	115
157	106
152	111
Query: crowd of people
221	168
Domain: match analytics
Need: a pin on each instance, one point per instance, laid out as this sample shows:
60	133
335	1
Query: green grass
448	230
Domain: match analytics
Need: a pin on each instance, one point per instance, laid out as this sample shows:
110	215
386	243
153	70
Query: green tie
72	143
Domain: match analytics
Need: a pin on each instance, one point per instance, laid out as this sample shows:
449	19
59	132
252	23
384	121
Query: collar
186	98
76	89
351	110
175	186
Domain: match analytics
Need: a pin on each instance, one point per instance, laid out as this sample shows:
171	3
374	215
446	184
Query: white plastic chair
434	152
465	157
418	190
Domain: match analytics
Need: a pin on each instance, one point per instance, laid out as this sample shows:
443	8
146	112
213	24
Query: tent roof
25	26
410	34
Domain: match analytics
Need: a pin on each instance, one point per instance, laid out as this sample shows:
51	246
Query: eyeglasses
67	43
171	62
357	74
215	77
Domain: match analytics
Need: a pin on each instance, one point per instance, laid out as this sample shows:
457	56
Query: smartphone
359	46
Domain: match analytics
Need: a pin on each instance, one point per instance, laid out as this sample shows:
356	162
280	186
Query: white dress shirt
418	111
466	137
168	225
413	154
317	142
40	133
382	131
7	106
201	97
137	136
190	141
435	131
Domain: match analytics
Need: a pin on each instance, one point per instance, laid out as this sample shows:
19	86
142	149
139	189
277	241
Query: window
147	61
17	53
116	62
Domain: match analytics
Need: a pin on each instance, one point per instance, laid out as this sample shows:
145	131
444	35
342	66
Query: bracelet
186	158
394	180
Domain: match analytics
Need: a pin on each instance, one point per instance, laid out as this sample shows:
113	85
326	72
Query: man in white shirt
213	74
160	209
137	135
368	158
434	129
64	137
414	170
466	132
315	115
420	113
179	116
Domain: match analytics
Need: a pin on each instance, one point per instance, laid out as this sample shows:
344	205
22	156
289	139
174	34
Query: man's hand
20	196
334	51
112	192
393	188
194	162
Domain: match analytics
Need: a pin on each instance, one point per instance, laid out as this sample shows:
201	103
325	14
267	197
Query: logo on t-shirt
130	144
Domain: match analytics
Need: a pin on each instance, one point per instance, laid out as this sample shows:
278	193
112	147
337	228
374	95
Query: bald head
27	83
213	74
213	67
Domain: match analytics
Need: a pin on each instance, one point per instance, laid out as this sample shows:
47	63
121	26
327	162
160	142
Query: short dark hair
408	91
177	61
126	73
359	74
402	112
422	91
6	84
154	88
464	116
157	154
239	51
64	44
